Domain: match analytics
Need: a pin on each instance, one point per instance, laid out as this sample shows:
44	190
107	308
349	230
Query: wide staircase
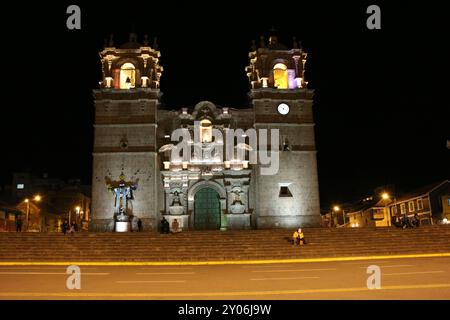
222	245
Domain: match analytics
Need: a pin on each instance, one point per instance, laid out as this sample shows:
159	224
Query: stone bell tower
281	100
126	107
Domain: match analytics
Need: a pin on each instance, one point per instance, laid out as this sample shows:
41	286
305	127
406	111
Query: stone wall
137	167
297	172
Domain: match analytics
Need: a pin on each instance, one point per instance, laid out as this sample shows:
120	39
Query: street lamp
337	209
27	201
36	198
77	209
385	196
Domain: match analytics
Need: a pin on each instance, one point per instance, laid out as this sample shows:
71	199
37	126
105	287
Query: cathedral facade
236	169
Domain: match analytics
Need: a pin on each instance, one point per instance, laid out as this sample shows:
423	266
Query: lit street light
337	209
36	198
385	196
77	209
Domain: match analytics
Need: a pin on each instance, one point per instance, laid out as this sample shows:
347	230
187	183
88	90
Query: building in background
429	203
132	146
47	202
369	212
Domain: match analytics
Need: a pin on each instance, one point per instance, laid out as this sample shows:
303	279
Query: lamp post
77	209
36	198
385	196
27	201
334	213
337	209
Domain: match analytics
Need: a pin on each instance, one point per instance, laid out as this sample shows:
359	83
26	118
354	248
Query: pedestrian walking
18	224
64	227
72	228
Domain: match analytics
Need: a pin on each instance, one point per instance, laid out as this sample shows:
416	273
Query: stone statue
123	193
122	216
237	206
237	195
176	199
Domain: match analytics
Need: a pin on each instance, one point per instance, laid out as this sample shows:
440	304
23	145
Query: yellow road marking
213	294
224	262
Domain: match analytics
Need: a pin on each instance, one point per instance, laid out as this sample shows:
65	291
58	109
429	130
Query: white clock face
283	108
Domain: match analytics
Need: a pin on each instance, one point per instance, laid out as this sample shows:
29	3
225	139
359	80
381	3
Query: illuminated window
127	76
205	131
419	204
394	210
20	186
411	206
280	76
403	208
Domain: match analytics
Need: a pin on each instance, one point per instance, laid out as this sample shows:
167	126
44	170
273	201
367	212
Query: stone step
217	245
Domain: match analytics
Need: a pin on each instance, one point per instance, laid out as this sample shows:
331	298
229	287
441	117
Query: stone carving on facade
237	206
176	207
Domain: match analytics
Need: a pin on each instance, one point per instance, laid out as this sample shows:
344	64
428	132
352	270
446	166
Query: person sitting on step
175	226
299	237
164	227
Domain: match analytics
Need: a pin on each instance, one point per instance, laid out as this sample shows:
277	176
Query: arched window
127	76
205	131
280	76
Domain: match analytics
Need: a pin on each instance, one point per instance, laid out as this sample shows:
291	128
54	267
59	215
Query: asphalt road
418	278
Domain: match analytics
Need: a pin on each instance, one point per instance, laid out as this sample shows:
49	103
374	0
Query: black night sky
381	105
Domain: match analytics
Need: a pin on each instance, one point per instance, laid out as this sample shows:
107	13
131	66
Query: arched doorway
206	209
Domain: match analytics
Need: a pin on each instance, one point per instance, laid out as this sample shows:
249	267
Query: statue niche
123	195
176	207
237	206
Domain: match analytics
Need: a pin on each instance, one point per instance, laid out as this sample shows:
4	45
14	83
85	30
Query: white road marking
37	268
294	270
161	273
393	266
158	269
407	273
54	273
264	266
295	278
365	262
152	281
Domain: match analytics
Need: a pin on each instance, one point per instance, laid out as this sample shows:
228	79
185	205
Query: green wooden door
206	210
